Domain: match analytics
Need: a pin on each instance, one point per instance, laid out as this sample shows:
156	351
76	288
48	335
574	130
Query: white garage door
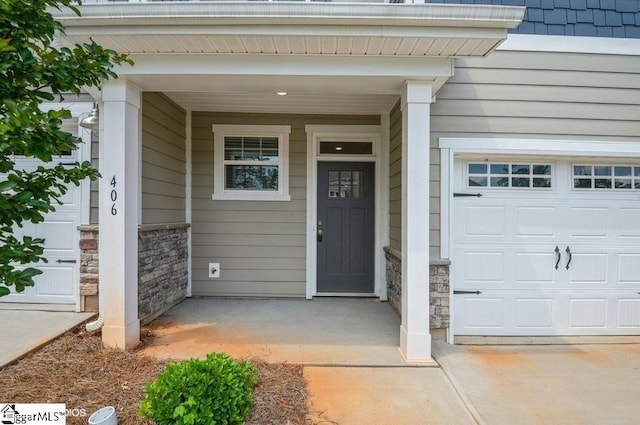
550	248
59	282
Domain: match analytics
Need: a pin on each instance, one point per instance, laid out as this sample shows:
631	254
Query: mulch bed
76	370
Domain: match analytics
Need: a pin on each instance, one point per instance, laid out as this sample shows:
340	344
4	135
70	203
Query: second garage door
549	248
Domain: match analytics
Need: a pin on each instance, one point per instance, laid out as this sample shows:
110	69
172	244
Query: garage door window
509	175
606	177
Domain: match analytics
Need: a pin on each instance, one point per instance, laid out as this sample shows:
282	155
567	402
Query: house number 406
114	196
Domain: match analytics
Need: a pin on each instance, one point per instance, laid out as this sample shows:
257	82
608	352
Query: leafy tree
34	70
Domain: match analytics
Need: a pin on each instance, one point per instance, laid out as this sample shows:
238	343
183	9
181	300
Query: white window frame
220	131
509	175
634	179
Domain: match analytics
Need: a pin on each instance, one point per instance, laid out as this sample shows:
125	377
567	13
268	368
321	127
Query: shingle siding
592	18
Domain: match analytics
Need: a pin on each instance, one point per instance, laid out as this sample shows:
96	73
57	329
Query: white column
119	203
415	339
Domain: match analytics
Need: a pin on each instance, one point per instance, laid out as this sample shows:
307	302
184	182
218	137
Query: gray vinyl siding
395	178
536	95
260	245
163	160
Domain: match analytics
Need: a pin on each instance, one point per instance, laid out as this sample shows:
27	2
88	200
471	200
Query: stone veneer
438	287
162	268
89	267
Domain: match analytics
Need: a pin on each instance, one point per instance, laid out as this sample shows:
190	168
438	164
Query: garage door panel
537	222
628	313
484	221
485	267
587	313
627	223
58	235
530	313
482	312
588	222
534	313
534	267
629	269
588	269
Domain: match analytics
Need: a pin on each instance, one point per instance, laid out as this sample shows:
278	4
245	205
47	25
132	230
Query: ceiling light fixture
338	148
282	93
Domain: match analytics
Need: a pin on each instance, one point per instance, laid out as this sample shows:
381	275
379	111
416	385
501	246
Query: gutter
277	13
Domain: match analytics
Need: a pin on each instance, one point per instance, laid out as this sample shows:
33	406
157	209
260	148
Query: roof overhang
355	48
379	29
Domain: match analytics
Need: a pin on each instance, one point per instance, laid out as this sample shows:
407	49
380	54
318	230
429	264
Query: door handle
558	256
568	251
319	235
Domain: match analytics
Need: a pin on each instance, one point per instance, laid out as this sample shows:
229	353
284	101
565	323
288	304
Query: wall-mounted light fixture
91	121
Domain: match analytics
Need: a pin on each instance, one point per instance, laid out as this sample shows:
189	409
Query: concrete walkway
26	330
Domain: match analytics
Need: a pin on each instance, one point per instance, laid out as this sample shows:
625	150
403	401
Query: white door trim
449	147
379	138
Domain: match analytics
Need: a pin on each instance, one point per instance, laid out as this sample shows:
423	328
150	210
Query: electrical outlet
214	270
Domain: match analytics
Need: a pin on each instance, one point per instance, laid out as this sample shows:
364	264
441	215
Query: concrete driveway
546	384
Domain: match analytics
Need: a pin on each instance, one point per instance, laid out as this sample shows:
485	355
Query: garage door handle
466	292
570	257
65	261
557	251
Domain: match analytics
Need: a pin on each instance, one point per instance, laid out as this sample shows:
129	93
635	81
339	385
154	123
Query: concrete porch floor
323	331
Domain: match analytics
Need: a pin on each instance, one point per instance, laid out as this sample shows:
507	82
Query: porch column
118	217
415	339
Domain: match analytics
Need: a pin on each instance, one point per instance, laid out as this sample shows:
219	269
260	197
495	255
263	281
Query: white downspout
99	322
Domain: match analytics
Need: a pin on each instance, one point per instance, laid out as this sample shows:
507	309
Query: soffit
350	29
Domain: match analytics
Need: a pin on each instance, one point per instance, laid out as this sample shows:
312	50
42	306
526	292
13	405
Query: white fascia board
291	30
322	66
570	44
546	147
212	13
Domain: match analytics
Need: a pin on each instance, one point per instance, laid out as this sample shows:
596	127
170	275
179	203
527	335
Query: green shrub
217	390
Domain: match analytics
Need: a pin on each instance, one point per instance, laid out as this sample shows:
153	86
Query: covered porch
325	331
304	73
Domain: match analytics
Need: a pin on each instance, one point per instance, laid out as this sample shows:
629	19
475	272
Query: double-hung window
251	162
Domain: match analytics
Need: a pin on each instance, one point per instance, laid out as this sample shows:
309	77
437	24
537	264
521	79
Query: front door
346	227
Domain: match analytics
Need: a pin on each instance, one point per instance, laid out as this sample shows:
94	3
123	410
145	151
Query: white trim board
570	44
374	133
188	210
548	147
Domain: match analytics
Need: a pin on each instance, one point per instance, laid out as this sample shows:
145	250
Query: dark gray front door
346	227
